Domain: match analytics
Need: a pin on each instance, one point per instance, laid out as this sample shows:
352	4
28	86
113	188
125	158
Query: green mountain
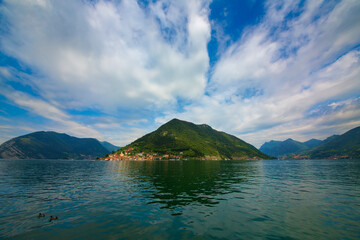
285	148
51	145
193	141
346	145
109	146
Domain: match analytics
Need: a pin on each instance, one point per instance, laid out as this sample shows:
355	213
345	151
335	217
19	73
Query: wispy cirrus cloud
110	55
52	116
51	112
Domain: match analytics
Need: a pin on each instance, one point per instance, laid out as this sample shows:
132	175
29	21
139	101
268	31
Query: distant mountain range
346	145
52	145
280	149
193	141
183	139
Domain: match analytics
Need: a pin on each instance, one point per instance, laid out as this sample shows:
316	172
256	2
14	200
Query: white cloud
5	72
50	111
109	55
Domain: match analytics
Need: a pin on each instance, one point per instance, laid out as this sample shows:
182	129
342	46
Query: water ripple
311	199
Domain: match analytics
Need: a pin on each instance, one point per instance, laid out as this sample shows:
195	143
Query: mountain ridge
280	149
51	145
178	137
346	145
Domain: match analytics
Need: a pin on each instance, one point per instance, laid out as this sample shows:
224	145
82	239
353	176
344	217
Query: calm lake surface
295	199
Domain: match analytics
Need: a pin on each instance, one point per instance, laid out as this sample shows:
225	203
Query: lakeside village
129	155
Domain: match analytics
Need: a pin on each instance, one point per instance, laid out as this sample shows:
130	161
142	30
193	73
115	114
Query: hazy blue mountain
109	146
346	145
312	143
51	145
284	148
194	141
271	148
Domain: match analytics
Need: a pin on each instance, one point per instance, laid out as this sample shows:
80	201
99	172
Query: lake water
297	199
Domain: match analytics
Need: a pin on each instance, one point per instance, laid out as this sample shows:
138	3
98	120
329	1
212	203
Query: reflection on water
178	183
312	199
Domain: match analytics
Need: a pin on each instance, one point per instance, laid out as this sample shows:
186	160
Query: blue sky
116	70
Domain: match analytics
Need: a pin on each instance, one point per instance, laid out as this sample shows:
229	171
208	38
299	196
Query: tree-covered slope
51	145
345	145
191	140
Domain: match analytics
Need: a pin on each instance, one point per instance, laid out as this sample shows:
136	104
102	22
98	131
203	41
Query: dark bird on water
41	215
53	218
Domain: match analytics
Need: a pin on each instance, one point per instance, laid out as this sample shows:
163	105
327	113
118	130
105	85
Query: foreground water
297	199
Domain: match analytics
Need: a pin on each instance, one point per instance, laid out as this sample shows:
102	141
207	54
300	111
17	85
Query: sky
116	70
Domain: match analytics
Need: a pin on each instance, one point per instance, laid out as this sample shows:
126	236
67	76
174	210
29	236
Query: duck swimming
41	215
53	218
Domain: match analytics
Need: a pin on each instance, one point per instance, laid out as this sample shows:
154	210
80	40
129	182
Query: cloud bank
111	55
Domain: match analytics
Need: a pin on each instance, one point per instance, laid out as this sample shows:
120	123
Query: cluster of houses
141	156
127	155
